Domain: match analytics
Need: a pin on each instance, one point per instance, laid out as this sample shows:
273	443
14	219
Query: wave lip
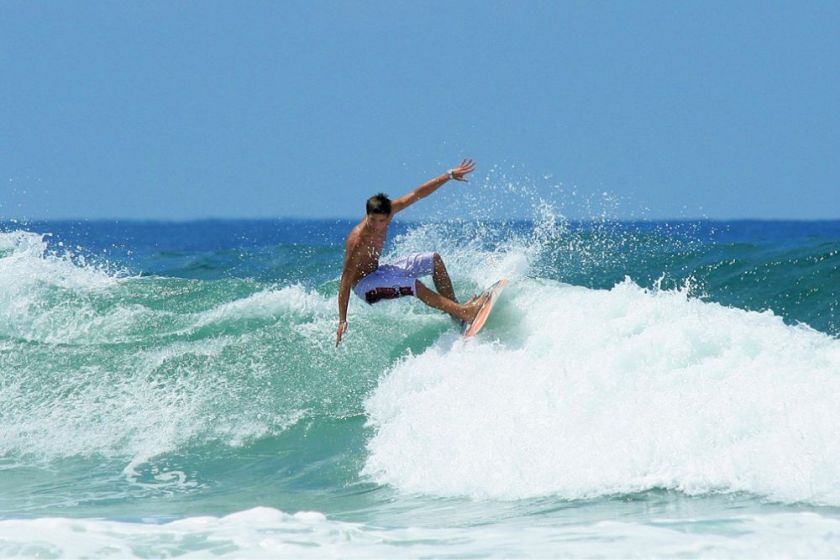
288	302
598	392
48	297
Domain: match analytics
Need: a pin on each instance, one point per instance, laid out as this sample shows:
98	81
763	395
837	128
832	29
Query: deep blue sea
642	389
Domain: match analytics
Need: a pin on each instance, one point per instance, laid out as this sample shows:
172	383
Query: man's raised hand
459	173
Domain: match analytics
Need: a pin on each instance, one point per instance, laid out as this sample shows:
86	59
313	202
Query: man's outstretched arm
458	173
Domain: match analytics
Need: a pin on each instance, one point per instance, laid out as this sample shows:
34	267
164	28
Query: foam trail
578	392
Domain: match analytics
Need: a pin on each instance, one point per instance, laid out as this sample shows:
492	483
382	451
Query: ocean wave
570	391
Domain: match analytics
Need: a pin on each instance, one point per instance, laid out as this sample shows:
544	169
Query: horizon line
4	220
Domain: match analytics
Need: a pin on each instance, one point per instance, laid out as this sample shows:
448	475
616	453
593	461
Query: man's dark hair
379	204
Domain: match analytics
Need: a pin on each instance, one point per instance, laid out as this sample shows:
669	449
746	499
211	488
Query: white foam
290	301
269	533
595	392
137	407
24	259
49	297
105	411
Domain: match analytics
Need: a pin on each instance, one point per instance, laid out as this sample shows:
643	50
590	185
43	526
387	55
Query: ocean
642	389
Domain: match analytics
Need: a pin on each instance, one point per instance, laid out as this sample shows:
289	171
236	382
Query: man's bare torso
363	251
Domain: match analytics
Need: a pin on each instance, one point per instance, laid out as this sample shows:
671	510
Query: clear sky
178	110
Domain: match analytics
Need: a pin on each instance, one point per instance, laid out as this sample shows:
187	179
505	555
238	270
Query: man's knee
420	289
437	260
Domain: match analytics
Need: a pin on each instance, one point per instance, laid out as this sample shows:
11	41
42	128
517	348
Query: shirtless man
371	282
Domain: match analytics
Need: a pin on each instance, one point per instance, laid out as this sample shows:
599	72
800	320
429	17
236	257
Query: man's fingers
467	166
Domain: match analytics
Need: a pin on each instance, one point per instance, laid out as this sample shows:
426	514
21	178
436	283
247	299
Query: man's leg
464	312
441	277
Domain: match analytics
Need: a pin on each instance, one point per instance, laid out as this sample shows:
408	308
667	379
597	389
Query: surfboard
483	313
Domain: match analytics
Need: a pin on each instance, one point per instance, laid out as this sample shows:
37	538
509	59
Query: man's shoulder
352	235
354	238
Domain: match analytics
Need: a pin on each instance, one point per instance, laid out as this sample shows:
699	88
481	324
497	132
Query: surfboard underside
473	328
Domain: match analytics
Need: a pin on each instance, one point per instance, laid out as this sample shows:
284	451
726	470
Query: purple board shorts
396	279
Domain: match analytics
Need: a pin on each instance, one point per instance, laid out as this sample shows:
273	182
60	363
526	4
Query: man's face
378	222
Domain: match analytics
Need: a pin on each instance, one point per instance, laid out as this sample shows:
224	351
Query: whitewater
642	389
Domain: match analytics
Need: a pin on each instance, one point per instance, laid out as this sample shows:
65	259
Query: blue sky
179	110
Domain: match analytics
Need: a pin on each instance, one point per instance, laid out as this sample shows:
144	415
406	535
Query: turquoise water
643	389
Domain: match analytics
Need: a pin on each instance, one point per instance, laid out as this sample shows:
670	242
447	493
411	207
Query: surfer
373	282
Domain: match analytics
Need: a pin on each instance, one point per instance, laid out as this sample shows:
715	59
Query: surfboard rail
473	328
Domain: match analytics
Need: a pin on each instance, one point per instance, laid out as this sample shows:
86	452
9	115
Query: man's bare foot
474	305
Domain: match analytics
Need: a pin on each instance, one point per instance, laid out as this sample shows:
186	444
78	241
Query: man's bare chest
370	247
